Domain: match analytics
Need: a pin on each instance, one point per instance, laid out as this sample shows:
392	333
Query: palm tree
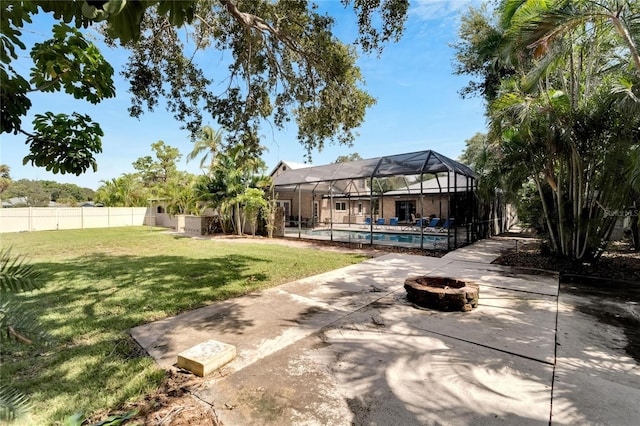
208	142
123	191
536	25
234	172
564	105
561	80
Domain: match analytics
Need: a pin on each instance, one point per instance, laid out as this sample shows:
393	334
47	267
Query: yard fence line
25	219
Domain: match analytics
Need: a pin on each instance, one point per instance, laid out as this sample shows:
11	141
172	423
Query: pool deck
393	235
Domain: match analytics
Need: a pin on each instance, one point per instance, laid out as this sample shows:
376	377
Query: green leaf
117	419
68	61
15	275
76	419
13	404
64	144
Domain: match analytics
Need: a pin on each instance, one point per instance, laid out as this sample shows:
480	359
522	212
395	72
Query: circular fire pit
443	293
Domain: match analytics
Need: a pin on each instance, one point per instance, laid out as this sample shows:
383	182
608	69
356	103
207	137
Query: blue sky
418	106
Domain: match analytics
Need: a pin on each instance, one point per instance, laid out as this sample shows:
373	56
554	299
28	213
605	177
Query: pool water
380	237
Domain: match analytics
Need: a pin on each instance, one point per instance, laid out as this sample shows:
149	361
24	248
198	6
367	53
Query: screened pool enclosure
419	200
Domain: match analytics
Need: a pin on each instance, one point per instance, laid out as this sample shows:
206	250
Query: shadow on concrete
611	302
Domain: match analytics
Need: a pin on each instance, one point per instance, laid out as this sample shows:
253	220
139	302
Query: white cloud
427	10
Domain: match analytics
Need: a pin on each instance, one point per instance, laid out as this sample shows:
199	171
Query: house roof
414	163
290	165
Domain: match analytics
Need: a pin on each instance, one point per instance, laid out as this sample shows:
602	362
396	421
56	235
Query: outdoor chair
432	225
380	222
367	222
446	225
420	223
393	222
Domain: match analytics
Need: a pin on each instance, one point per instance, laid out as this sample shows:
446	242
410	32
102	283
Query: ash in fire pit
443	293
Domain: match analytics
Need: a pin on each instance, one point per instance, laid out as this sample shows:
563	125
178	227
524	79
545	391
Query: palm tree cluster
234	186
561	83
155	179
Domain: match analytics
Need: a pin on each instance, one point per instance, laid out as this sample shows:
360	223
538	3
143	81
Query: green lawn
101	282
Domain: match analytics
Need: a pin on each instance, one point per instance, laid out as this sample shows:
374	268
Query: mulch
619	262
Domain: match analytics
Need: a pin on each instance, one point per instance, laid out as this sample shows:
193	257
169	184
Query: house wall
327	212
306	206
429	204
355	210
165	220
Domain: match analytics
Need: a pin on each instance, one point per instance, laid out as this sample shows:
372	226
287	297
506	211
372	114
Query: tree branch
27	133
14	333
52	82
251	21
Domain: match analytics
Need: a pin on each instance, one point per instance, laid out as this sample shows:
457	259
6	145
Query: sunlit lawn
99	283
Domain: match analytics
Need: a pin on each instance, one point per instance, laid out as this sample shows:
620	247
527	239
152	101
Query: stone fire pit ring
442	293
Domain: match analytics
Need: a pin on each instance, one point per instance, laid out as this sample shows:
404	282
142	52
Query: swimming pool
412	240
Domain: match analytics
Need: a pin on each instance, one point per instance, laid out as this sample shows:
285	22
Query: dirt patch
172	404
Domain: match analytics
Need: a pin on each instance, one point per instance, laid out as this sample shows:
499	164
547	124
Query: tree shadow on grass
119	292
90	303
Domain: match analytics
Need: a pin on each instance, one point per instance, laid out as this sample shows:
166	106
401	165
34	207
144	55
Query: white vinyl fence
53	218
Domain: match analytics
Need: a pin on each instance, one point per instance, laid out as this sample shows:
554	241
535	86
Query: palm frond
627	95
15	275
13	404
19	324
531	79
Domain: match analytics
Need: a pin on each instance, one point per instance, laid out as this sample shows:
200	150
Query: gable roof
289	165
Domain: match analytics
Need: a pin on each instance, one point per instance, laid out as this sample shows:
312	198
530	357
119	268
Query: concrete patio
346	347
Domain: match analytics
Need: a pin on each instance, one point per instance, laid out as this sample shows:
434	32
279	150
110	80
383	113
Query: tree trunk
547	217
238	219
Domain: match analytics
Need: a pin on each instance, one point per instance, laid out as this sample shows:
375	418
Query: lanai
364	180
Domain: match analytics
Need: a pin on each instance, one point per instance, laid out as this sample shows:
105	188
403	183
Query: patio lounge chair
393	222
415	224
432	226
445	226
367	222
380	222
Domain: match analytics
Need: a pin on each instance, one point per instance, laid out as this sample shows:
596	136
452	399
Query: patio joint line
487	346
555	355
359	309
520	291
